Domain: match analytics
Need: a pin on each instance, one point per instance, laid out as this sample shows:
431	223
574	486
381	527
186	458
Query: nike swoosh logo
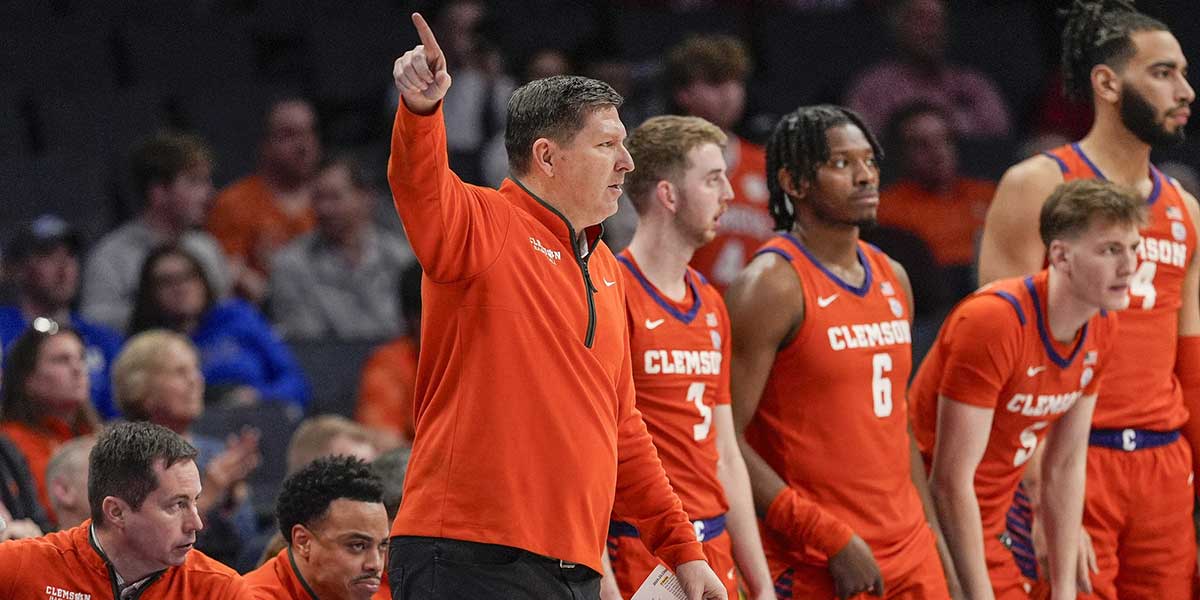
823	302
652	324
1031	371
609	283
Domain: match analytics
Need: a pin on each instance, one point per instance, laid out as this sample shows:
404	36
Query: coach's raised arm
526	431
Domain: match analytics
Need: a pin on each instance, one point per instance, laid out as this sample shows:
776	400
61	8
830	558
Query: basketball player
1139	496
1017	363
679	337
821	357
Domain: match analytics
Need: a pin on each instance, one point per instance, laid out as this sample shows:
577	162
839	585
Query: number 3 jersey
680	354
1141	390
832	420
995	351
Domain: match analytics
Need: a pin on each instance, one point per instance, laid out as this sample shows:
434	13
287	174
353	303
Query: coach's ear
542	156
301	538
793	187
115	511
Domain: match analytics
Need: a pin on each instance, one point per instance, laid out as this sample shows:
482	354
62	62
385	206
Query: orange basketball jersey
832	420
995	351
746	224
1141	390
681	373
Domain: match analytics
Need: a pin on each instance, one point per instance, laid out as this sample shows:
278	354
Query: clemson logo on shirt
61	594
1086	377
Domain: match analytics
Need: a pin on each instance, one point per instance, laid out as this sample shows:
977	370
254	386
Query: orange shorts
923	580
1138	510
632	562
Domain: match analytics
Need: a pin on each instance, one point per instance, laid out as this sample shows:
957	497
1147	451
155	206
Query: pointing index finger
432	50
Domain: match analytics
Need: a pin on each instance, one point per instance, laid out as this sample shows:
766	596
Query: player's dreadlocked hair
1098	32
799	145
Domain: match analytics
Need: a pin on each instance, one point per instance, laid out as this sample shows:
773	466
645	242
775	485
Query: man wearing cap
44	260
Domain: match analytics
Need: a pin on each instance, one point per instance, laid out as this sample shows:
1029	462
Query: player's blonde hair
659	149
1073	206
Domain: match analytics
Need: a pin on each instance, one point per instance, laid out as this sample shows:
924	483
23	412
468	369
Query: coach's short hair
123	460
553	108
659	148
1073	206
307	494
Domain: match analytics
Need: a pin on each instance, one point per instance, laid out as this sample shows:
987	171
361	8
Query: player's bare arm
1010	246
757	335
740	518
962	436
1189	327
1064	471
920	478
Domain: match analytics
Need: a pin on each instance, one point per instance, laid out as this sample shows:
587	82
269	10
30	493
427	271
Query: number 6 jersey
680	354
995	351
832	420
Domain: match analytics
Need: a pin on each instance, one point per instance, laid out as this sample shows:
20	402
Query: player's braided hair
798	144
1098	32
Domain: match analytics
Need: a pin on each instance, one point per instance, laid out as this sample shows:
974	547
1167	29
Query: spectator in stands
157	378
67	479
326	435
338	280
333	520
930	198
255	216
44	401
387	385
706	77
44	260
19	507
173	172
476	107
139	542
920	70
242	359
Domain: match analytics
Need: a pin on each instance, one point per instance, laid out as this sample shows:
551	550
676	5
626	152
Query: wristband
803	521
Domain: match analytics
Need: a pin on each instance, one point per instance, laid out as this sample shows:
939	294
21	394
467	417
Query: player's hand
1086	563
699	582
855	571
420	74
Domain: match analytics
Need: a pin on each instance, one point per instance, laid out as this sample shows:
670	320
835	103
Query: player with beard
1139	496
821	358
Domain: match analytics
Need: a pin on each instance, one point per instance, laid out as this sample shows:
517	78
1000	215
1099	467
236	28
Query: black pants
425	568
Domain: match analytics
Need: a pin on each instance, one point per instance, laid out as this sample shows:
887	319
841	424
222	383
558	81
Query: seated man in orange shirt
331	513
389	379
138	543
1018	365
256	215
930	199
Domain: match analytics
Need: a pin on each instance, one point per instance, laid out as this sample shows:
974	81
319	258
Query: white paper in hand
660	585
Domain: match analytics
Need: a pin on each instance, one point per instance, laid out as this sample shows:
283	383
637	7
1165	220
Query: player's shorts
632	562
1138	511
923	579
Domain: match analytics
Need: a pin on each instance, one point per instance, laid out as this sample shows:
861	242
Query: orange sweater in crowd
385	392
950	224
37	446
68	565
526	429
249	224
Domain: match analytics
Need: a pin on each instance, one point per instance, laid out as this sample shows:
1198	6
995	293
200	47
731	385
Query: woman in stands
45	399
157	378
242	359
